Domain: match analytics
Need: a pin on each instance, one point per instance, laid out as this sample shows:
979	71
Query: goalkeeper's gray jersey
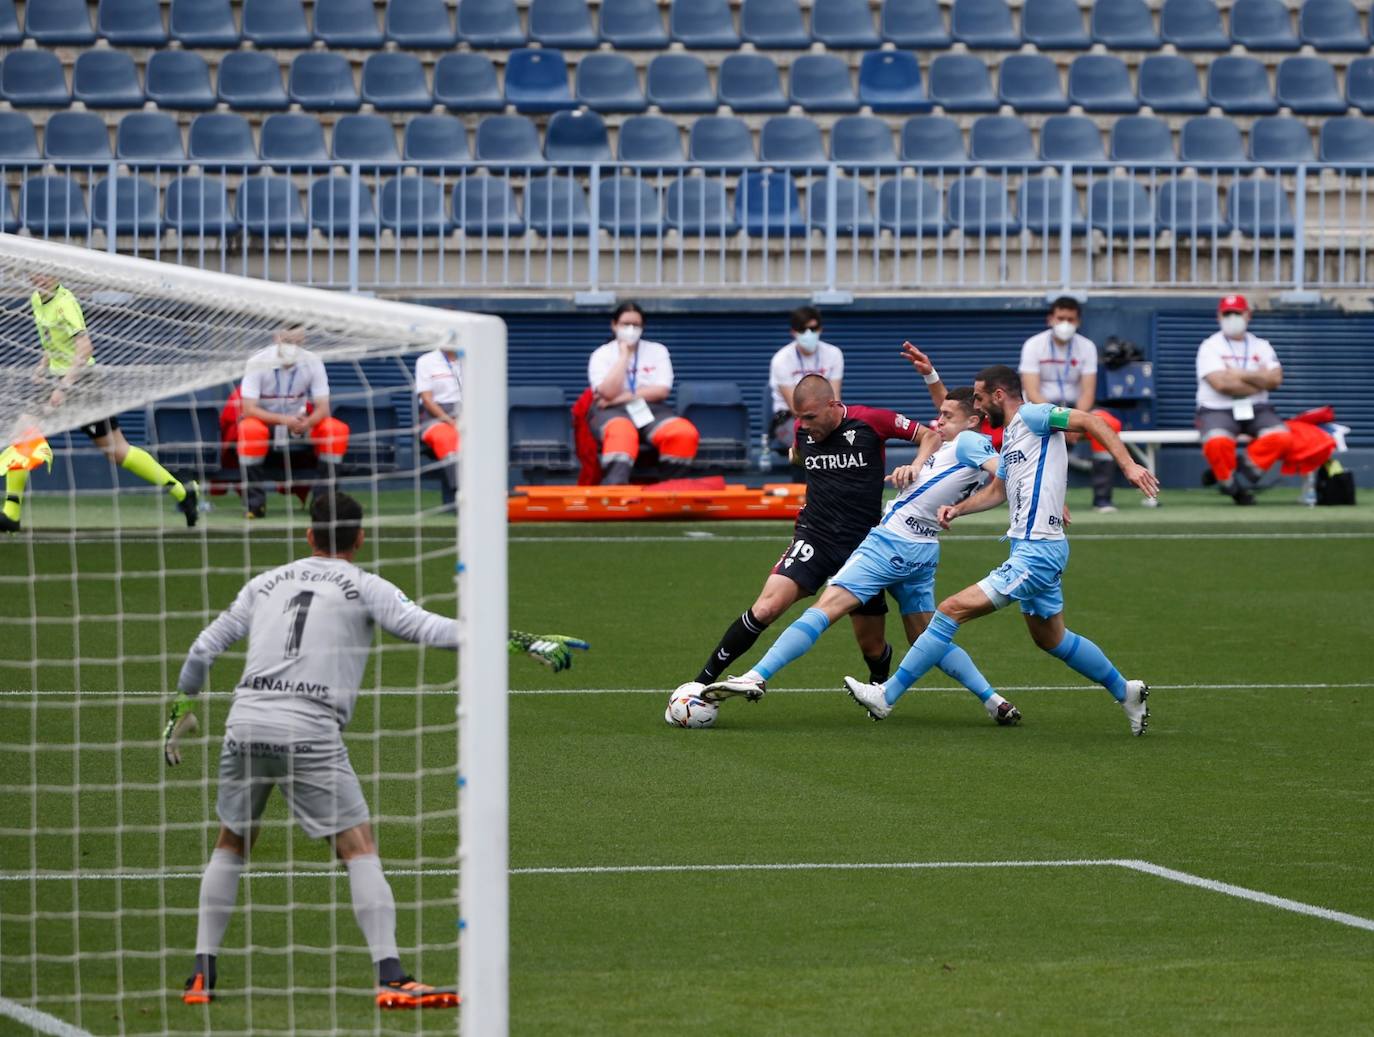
310	627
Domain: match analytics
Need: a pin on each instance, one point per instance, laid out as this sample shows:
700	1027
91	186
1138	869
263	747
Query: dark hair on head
335	519
999	376
624	308
813	388
804	315
1067	302
963	396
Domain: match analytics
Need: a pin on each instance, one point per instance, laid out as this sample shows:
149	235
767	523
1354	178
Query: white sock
373	905
219	889
992	702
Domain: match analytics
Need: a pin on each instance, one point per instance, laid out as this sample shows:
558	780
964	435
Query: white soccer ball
686	707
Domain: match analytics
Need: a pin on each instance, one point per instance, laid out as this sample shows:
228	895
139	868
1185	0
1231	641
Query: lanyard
801	359
1244	358
290	383
1068	355
457	378
632	371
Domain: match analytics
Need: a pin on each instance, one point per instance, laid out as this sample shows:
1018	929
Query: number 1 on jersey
300	607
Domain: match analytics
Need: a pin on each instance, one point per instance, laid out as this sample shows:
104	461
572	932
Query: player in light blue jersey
1031	475
900	556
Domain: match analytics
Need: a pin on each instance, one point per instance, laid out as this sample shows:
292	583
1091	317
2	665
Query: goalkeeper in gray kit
310	627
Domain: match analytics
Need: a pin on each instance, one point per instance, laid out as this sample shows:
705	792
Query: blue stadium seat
556	206
577	138
489	23
435	138
9	219
322	81
275	23
508	139
932	138
1263	25
18	141
1240	85
890	81
609	83
697	206
791	138
959	83
1100	83
347	23
52	22
485	206
1210	138
34	78
1260	209
185	434
466	82
984	24
917	24
364	138
1000	138
10	33
270	207
853	210
1071	138
703	24
149	137
718	411
1141	139
250	80
773	25
203	23
106	79
679	83
178	79
1308	87
76	137
1169	83
330	206
219	139
1054	25
1359	85
1124	25
767	205
131	23
1280	139
1191	208
538	429
53	206
413	206
1030	83
537	81
633	25
198	206
562	23
629	206
1193	25
720	138
649	138
136	207
394	82
1347	139
1040	206
750	83
861	138
422	24
911	208
821	83
979	205
844	24
1121	208
293	141
1332	25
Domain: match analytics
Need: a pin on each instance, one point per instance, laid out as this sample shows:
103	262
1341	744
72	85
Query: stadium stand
411	205
1071	138
270	206
1193	25
718	411
649	139
890	81
57	22
1280	139
394	82
250	80
347	23
177	79
697	205
490	24
1124	25
198	206
435	139
1211	139
844	24
720	139
861	138
466	82
1030	83
562	23
609	83
960	83
1121	208
508	139
106	79
915	24
911	207
1332	25
1190	206
420	24
537	80
54	205
984	25
1359	84
76	137
1347	139
1260	209
629	205
131	23
679	83
577	139
1054	25
1041	206
10	32
275	23
1263	25
1001	138
1100	83
980	205
1169	83
556	205
767	205
853	210
750	83
331	205
18	139
935	138
703	24
773	25
1141	139
364	138
1307	86
135	207
821	83
1239	85
293	141
633	24
34	78
203	23
791	138
220	139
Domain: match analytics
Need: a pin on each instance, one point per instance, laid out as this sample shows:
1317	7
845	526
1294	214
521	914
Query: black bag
1335	484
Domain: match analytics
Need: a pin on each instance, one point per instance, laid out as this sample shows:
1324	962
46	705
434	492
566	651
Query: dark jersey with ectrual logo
844	475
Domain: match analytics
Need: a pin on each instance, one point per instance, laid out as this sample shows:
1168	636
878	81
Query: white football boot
752	688
1134	704
870	696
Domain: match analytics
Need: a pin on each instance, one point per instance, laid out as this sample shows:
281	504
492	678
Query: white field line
38	1021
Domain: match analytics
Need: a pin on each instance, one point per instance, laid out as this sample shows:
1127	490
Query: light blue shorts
1031	576
886	562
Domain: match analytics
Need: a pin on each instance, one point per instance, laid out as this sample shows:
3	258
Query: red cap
1233	304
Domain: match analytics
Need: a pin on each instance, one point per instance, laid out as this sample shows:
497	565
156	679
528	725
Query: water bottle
765	454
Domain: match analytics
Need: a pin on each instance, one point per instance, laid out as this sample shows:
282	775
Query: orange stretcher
778	501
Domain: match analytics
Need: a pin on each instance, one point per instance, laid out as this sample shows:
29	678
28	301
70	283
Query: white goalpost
103	587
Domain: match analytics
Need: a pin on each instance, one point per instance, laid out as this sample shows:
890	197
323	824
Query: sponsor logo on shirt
831	461
1014	457
849	436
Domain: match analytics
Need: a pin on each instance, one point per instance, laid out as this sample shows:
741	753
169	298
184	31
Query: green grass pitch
1251	625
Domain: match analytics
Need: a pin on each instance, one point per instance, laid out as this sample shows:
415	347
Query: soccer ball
686	708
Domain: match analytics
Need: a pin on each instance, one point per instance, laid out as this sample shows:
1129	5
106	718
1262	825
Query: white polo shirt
1219	353
436	373
284	390
790	365
649	365
1061	368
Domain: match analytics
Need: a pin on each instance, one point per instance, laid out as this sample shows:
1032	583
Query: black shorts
809	565
100	429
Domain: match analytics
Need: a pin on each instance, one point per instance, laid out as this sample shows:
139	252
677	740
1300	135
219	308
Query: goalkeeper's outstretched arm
229	626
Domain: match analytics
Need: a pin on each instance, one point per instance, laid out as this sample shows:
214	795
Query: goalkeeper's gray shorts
315	776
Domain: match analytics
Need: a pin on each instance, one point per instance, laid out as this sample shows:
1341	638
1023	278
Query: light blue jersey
1035	467
948	476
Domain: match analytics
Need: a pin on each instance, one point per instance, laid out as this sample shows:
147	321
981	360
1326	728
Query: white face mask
287	353
1064	330
1233	325
808	341
628	333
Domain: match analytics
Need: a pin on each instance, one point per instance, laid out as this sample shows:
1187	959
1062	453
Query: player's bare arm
993	495
1137	474
904	475
925	368
1236	383
1087	391
1030	387
81	356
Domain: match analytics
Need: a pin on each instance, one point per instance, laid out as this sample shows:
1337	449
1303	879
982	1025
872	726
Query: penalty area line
39	1021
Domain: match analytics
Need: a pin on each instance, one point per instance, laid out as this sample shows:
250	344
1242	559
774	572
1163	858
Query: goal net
107	583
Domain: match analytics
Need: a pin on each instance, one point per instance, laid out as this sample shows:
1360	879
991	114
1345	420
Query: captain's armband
1059	418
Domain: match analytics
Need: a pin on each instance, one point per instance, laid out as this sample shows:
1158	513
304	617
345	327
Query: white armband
933	377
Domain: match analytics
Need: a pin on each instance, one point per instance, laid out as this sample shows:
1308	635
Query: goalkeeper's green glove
553	650
181	721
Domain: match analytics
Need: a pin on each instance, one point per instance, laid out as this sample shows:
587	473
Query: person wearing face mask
284	409
630	379
805	354
1236	371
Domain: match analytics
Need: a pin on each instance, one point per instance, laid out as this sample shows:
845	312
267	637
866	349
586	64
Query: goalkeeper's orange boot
407	993
198	990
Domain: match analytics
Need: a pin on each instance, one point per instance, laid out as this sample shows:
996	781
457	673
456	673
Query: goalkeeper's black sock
880	666
205	966
737	640
389	971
